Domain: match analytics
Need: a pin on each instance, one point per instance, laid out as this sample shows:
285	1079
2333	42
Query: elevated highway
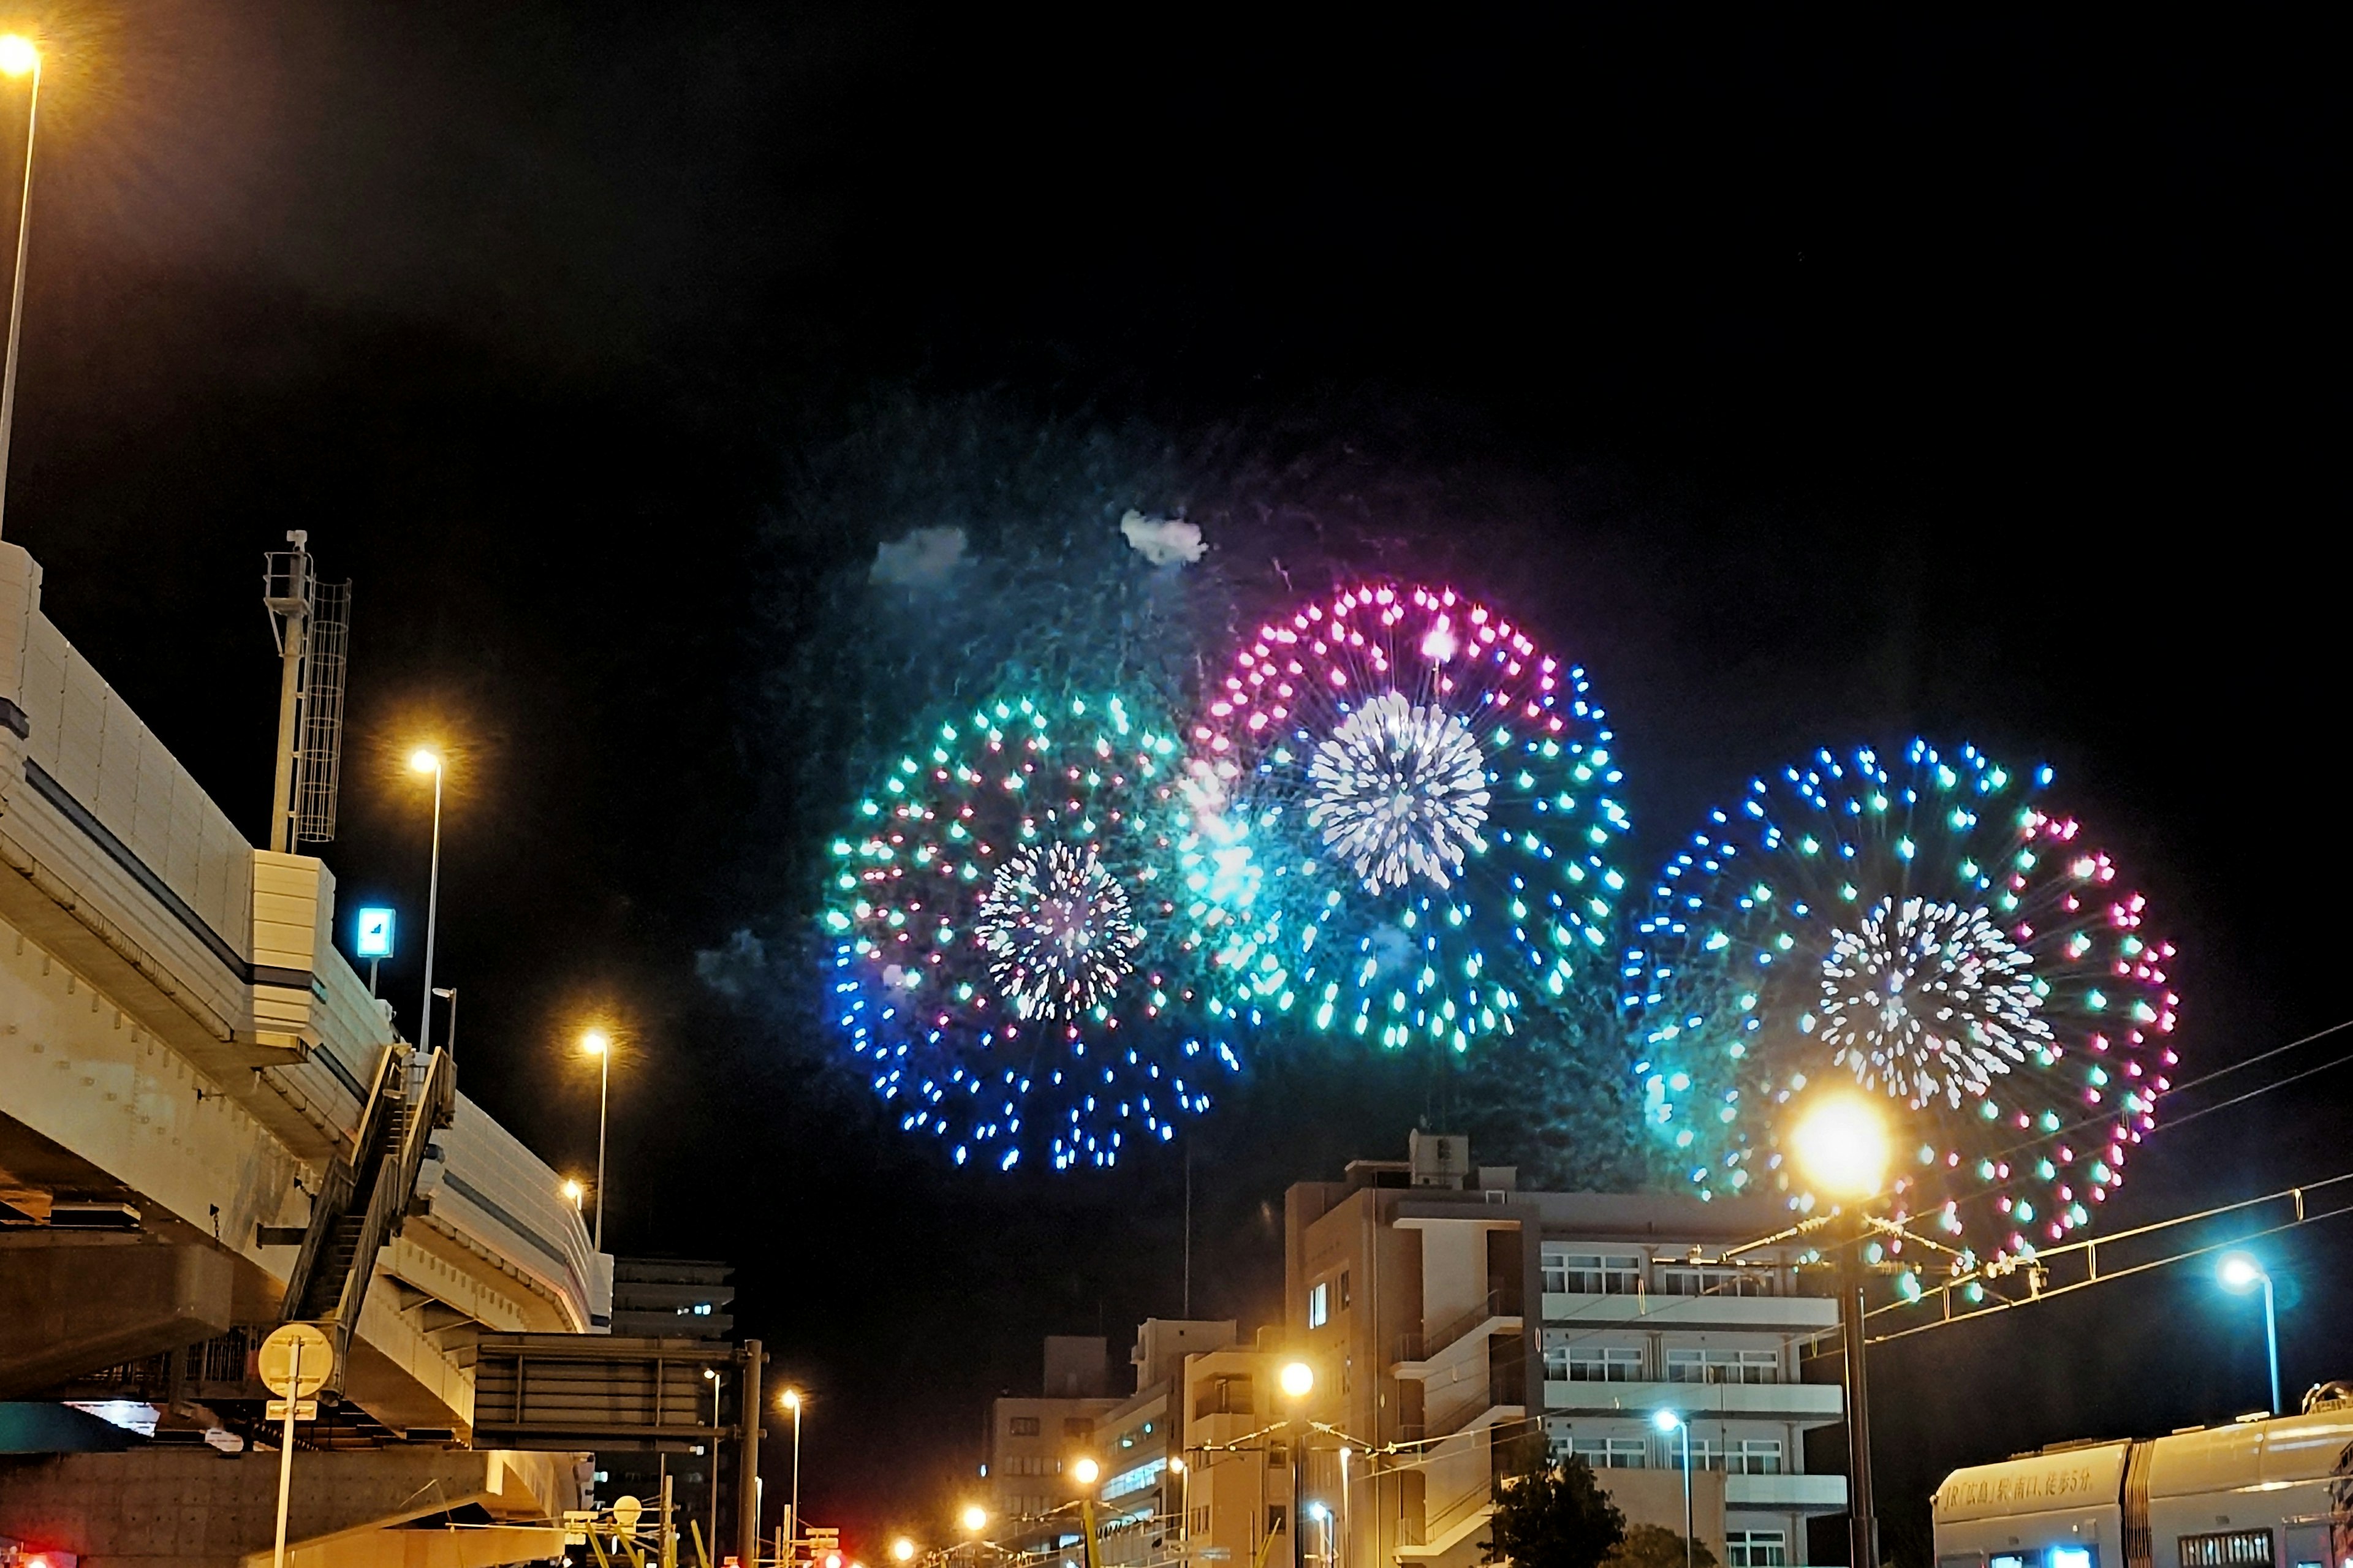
200	1106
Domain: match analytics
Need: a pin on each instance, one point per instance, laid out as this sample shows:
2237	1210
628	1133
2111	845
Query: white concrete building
1444	1309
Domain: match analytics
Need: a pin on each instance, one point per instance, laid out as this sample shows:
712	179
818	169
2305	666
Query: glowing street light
791	1400
19	57
425	761
975	1519
902	1550
1842	1149
1668	1421
575	1192
1085	1471
1297	1380
598	1043
2240	1273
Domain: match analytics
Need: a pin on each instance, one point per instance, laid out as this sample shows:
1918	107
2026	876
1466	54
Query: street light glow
976	1517
424	760
790	1399
17	55
596	1042
2240	1271
1085	1471
1298	1379
1665	1420
1841	1146
575	1192
902	1549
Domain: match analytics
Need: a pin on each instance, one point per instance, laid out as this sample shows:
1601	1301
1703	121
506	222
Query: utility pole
288	596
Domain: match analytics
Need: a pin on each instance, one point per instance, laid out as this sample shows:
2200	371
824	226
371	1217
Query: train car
2258	1492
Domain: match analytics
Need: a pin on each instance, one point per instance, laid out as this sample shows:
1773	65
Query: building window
1593	1273
1754	1456
1756	1548
1723	1366
1686	1279
2235	1549
1319	1305
1023	1426
1079	1427
1343	1290
1614	1453
1594	1363
1273	1519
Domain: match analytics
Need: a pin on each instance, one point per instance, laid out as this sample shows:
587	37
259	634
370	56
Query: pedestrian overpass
207	1125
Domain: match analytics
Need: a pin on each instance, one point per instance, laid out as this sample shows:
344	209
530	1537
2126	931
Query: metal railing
1421	1345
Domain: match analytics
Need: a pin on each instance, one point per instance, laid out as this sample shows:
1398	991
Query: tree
1555	1515
1656	1546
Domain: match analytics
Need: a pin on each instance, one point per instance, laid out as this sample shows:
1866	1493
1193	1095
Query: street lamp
2240	1273
575	1192
902	1550
975	1519
712	1539
1842	1149
791	1400
426	760
598	1043
450	993
19	57
1085	1472
1298	1381
1668	1421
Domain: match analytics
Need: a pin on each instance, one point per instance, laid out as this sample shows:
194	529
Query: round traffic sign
297	1358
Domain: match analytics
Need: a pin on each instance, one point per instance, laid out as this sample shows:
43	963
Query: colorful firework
1407	821
1933	934
1012	966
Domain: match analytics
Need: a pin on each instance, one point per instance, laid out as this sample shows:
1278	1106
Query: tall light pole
710	1537
1668	1421
1298	1380
791	1400
19	58
599	1044
2239	1272
425	761
1086	1472
1842	1149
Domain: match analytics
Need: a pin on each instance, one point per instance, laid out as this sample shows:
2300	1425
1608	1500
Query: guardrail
1422	1344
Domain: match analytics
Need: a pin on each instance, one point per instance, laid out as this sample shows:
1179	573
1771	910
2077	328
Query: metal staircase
367	1195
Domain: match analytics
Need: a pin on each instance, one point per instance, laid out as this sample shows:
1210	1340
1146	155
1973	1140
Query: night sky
1811	383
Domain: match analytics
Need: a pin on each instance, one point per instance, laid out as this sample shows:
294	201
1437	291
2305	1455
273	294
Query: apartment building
1445	1311
1032	1440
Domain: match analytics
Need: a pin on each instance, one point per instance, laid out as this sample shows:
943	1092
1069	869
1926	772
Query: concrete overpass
200	1106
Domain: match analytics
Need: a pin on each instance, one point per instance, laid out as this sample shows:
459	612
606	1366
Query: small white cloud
923	559
1163	541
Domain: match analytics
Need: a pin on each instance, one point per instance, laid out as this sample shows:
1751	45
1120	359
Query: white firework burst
1398	790
1059	929
1929	998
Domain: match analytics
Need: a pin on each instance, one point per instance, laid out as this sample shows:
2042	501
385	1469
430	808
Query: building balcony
1812	1494
1786	1314
1812	1403
1420	1353
1440	1533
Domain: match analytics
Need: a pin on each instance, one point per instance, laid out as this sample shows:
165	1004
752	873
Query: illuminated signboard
376	933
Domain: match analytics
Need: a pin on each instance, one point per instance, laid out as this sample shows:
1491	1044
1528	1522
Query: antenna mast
312	622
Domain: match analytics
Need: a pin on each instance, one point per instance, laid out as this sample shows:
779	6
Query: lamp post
710	1540
1298	1380
425	761
1668	1421
791	1400
450	993
1086	1472
2241	1272
598	1044
1842	1149
19	58
1341	1548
